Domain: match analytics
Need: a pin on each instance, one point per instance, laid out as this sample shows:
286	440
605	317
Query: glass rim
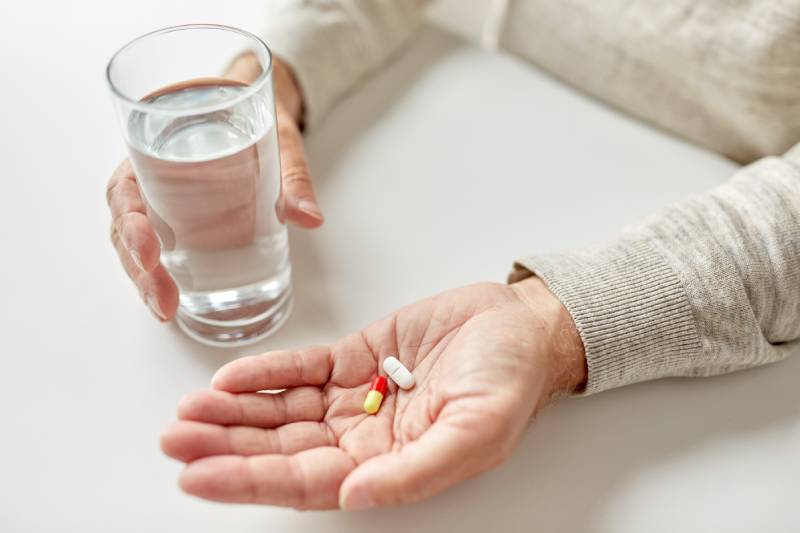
249	91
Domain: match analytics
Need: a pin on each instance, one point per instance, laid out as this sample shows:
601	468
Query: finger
187	440
129	218
257	409
444	455
156	288
160	292
306	480
138	240
121	188
300	200
245	68
275	370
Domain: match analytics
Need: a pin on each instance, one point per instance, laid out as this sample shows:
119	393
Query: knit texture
721	73
630	309
331	45
704	287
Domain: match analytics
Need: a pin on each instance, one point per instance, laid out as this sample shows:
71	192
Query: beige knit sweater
704	287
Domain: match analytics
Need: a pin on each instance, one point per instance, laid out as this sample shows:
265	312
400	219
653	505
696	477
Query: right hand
486	358
132	233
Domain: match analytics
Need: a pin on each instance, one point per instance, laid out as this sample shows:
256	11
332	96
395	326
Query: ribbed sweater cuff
630	308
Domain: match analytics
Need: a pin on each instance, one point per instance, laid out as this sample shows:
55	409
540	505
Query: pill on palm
375	395
398	372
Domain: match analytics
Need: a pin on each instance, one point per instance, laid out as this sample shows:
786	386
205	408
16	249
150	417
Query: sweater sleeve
332	44
705	287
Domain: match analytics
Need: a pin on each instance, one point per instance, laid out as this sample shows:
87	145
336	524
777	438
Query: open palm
483	361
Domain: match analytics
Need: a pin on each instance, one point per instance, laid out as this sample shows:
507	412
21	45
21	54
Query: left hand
132	230
485	357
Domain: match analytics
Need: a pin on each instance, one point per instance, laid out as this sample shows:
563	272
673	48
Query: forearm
704	287
332	45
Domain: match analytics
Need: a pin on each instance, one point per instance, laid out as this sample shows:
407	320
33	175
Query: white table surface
438	172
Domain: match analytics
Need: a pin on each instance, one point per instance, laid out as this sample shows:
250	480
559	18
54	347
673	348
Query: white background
438	172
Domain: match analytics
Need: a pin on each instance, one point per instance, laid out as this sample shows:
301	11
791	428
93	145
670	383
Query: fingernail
136	259
152	303
357	500
310	208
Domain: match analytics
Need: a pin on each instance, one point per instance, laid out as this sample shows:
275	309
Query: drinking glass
204	149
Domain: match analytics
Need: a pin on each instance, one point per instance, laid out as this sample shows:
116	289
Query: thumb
299	199
444	455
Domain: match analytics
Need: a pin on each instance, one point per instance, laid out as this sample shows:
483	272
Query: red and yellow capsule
375	395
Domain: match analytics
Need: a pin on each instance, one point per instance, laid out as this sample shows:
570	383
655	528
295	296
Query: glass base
254	322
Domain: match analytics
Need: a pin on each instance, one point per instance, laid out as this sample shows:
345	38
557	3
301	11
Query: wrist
564	347
288	98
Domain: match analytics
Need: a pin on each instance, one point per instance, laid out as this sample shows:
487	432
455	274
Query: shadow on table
582	453
310	320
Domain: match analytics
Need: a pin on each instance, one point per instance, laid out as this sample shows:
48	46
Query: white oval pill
398	372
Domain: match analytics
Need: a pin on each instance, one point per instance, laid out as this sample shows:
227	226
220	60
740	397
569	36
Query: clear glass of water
205	152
